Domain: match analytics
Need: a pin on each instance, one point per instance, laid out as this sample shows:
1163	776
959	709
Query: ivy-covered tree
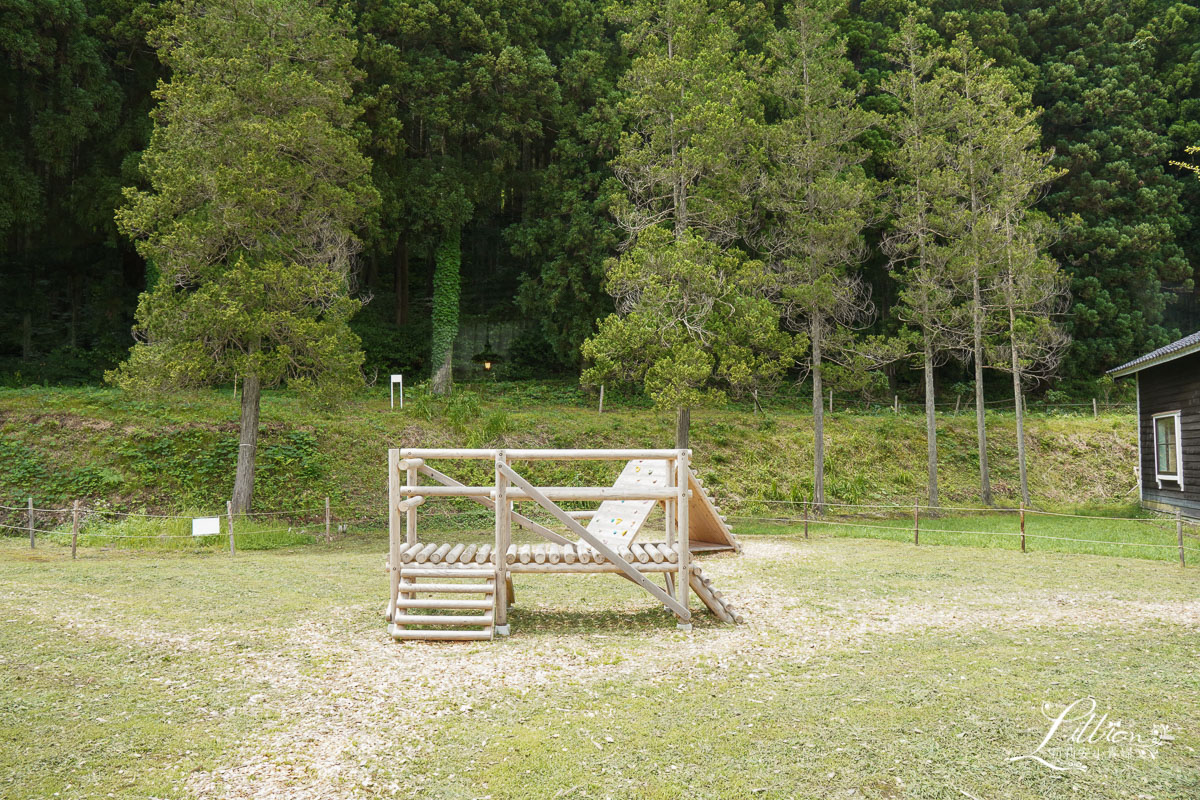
457	93
256	186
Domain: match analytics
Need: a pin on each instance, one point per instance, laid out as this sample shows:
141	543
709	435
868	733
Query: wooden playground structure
434	586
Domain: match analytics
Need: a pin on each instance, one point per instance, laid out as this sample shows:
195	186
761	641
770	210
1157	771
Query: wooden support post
327	536
895	404
671	507
394	530
683	582
412	477
503	539
1179	535
917	522
1095	410
602	398
32	543
74	528
805	519
831	401
957	403
1022	527
229	513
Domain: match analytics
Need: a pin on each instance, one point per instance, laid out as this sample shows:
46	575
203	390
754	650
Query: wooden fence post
229	513
74	528
601	398
1022	527
895	404
1179	534
327	538
805	519
957	403
831	401
917	522
31	539
1095	410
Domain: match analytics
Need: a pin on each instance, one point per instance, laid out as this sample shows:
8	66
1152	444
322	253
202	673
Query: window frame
1177	476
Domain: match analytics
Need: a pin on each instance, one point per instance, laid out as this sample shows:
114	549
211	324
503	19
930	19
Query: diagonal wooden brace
681	611
520	519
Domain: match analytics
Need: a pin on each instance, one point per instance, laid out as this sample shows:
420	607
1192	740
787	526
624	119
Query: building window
1168	465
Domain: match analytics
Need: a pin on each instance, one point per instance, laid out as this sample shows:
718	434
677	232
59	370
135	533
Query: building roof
1184	347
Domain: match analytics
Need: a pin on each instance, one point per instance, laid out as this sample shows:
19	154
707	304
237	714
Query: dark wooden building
1168	412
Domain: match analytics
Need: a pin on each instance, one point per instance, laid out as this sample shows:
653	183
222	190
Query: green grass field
1122	531
867	668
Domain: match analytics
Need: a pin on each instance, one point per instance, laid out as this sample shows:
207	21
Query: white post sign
206	526
400	380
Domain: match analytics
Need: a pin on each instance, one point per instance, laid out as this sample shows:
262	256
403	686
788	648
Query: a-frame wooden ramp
619	521
432	585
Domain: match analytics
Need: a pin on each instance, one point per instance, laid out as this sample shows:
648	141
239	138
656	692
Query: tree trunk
818	407
443	377
985	481
73	299
1019	405
446	291
931	426
683	424
27	336
243	484
400	270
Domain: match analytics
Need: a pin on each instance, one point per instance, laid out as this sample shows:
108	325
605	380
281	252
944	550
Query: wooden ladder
712	598
441	616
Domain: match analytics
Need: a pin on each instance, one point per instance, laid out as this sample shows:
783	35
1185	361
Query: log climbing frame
489	568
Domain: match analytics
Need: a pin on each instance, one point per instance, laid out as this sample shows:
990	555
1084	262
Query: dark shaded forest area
496	121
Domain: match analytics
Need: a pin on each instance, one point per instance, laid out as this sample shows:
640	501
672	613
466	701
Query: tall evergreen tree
816	199
924	213
685	160
256	187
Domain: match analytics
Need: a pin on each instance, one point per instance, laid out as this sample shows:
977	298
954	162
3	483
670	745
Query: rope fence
811	518
319	523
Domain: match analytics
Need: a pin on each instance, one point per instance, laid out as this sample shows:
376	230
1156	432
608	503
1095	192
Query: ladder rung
445	572
473	605
479	588
409	633
442	619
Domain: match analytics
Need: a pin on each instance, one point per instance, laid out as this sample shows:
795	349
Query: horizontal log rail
537	455
558	493
522	520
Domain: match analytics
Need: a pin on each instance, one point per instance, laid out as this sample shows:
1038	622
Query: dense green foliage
502	120
255	188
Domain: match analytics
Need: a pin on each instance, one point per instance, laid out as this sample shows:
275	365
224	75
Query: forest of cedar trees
564	156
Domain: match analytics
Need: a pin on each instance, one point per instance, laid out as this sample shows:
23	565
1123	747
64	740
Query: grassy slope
178	453
867	669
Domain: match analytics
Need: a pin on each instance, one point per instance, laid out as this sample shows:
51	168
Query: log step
443	619
445	572
471	605
476	588
428	635
715	601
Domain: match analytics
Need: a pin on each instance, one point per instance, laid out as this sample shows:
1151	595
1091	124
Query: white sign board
206	526
400	380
